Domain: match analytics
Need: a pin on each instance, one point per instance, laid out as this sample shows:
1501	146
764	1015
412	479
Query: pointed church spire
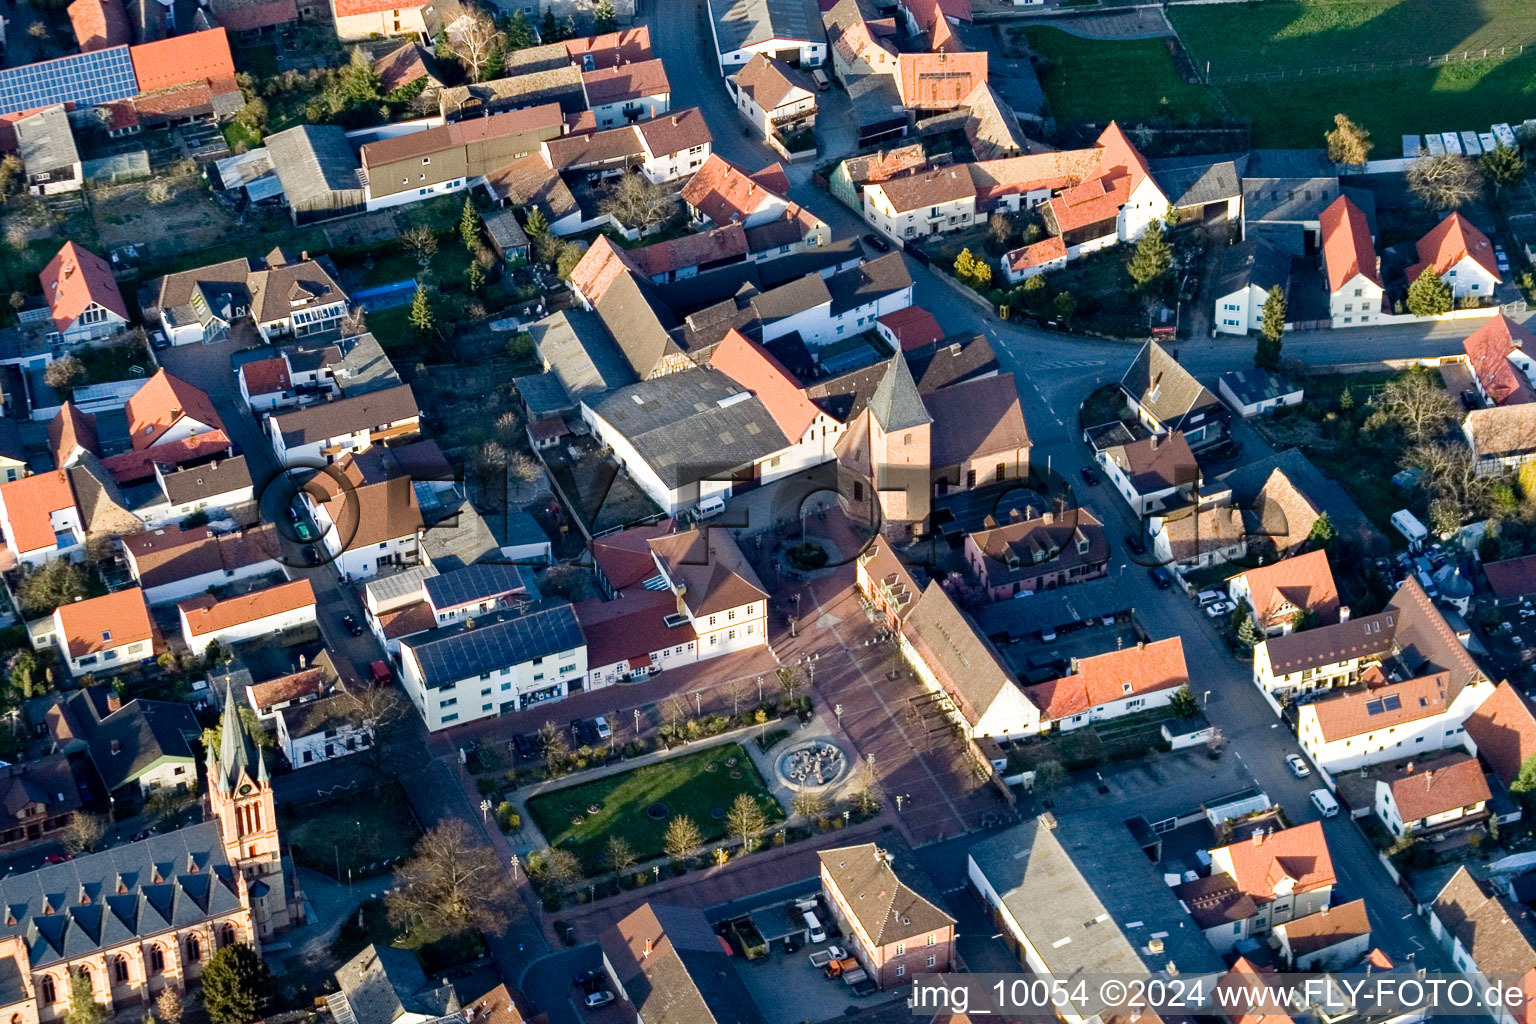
896	404
235	753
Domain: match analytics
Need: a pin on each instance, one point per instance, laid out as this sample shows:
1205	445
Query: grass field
684	784
1096	80
1133	80
353	834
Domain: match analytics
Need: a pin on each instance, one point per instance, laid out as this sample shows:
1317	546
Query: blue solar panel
86	79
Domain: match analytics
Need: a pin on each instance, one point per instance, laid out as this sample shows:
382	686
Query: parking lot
1030	657
788	990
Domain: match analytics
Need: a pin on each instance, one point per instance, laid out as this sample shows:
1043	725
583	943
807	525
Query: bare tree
683	839
509	428
739	690
452	884
377	710
524	468
790	682
745	820
810	805
86	831
64	373
168	1006
474	40
621	856
421	241
1450	474
637	202
1416	402
674	710
1445	182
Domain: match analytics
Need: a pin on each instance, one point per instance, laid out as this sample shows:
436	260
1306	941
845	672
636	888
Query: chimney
1048	518
304	255
989	523
1258	837
1155	945
647	947
1409	767
1152	441
1141	645
114	701
675	119
1014	515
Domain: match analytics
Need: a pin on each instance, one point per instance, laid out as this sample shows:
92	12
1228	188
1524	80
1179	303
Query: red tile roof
30	501
207	614
1434	787
1451	241
163	402
626	82
1105	678
400	67
99	24
628	46
350	8
1092	202
76	278
1513	578
266	376
102	623
246	16
138	466
1504	729
1043	251
1330	927
727	194
181	59
1488	350
1118	156
631	628
1357	713
1305	582
770	82
1260	864
286	688
751	366
939	81
913	327
930	187
1347	246
675	132
697	249
976	419
599	267
70	428
625	556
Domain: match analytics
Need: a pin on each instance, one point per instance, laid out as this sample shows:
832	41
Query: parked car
1297	766
585	976
603	732
524	746
1217	609
1501	257
600	998
1134	544
294	515
1090	476
1160	577
877	243
311	556
1209	597
350	623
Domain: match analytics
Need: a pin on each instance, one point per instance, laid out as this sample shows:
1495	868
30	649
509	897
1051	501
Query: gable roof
1512	578
932	186
1448	243
625	555
1168	392
913	327
71	429
712	568
599	266
674	131
1104	678
1302	583
1252	262
1368	637
974	419
625	82
1426	642
183	58
726	193
675	969
886	907
1497	933
1502	430
1215	900
770	82
951	360
1342	716
1488	349
28	504
642	327
1423	789
163	402
751	366
325	420
1331	927
99	24
1285	515
629	630
1504	729
961	660
208	614
1156	463
102	623
1347	246
1300	853
492	642
75	279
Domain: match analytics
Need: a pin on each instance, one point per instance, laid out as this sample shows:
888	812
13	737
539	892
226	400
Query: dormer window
1125	687
425	160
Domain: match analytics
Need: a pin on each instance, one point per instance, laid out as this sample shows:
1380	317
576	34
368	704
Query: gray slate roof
1252	261
66	911
312	160
741	23
143	730
452	653
1288	199
1195	181
689	427
44	141
896	404
1352	524
382	983
363	366
868	282
344	415
1165	389
580	352
1252	385
207	481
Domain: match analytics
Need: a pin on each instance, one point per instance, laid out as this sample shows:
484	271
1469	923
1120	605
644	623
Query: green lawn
1132	80
355	833
685	784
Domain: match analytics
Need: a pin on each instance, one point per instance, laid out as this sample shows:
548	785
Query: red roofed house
931	83
206	619
1288	874
909	328
1041	257
812	433
359	19
40	520
185	75
82	295
1503	729
628	639
1349	257
1277	593
623	559
104	634
716	589
724	193
99	24
168	409
1448	794
1115	203
627	92
255	17
1461	255
267	384
1502	367
1109	685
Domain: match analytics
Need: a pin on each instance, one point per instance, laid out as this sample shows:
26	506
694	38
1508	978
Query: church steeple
236	750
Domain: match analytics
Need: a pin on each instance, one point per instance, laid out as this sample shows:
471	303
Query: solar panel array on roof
473	583
86	79
455	653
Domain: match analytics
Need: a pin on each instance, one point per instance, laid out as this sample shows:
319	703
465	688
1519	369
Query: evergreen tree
604	17
1247	630
1323	533
1153	258
421	310
1429	295
235	985
519	32
1503	166
537	226
83	1007
549	28
1271	330
474	276
1064	305
469	226
1525	782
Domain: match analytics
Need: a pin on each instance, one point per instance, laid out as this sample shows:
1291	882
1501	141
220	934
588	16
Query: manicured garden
637	805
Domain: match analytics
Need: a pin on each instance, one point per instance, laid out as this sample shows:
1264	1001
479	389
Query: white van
813	926
1209	597
820	78
710	506
1326	805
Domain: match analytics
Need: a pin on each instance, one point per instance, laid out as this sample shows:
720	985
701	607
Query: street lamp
837	709
637	725
1207	698
515	863
698	705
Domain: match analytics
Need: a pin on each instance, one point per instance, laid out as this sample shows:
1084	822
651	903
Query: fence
1364	67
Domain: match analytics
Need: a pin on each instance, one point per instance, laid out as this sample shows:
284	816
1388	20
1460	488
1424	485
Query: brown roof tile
1504	729
1421	790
